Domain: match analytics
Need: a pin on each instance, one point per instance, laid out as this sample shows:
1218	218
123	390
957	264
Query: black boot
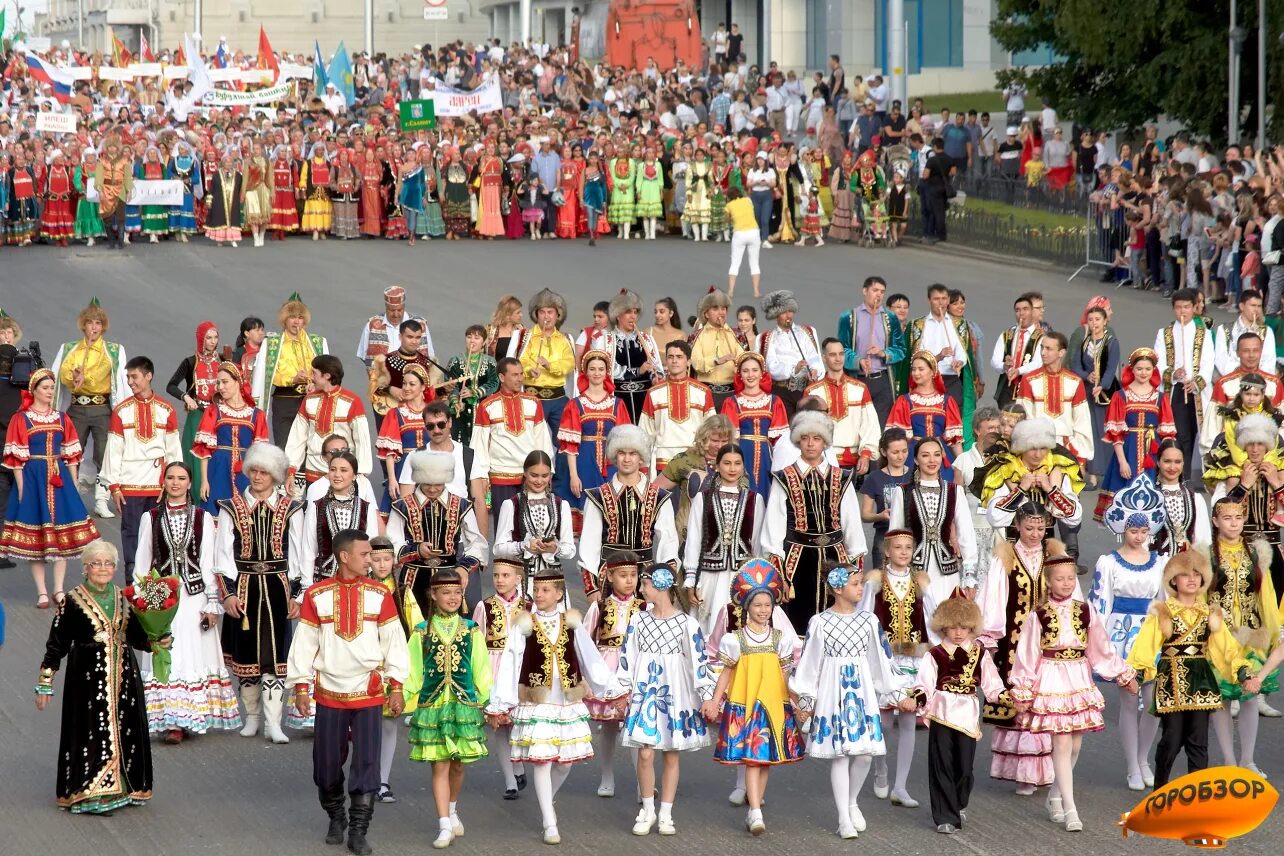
360	811
334	804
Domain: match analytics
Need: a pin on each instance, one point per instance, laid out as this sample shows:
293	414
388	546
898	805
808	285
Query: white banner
226	75
38	43
56	123
291	71
80	72
145	69
107	72
455	102
175	72
157	192
226	98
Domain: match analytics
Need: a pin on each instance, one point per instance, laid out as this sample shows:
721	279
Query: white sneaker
847	831
737	796
551	835
755	823
456	826
766	245
881	786
666	826
644	822
443	839
90	242
858	819
1264	709
606	791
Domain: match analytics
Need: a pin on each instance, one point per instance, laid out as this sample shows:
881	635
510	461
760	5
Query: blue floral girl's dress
665	671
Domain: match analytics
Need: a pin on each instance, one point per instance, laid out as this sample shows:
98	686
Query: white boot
273	707
90	243
252	695
626	228
102	501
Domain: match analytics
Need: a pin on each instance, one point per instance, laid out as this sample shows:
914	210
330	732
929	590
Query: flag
340	74
120	55
267	59
144	49
220	56
199	76
318	66
3	12
180	58
58	79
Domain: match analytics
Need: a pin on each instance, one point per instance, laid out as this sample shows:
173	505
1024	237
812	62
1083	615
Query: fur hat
625	438
956	612
427	467
812	422
1257	428
1029	434
545	298
778	301
1195	560
294	307
266	458
623	302
713	298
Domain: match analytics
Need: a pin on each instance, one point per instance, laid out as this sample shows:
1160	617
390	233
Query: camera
20	363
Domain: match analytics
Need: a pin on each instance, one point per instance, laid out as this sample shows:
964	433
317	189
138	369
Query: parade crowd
378	550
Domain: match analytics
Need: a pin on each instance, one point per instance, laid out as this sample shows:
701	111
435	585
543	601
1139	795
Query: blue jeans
762	201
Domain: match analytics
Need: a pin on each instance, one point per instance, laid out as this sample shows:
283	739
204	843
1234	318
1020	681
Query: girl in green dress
650	193
450	678
88	224
970	336
473	378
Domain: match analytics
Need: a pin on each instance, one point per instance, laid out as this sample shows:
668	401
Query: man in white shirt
1185	354
936	334
792	351
1014	97
1016	351
878	94
776	105
1047	119
719	40
1226	336
472	468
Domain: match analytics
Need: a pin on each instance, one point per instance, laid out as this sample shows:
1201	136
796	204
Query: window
817	34
934	32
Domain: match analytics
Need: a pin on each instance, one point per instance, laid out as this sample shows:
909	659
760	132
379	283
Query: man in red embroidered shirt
509	426
328	409
350	642
142	438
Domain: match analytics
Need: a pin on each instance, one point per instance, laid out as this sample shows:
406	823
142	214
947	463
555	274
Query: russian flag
220	57
58	79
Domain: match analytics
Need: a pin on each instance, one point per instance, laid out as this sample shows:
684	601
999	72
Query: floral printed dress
757	725
665	670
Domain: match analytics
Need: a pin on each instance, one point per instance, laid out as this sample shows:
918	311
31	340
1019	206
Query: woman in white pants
745	238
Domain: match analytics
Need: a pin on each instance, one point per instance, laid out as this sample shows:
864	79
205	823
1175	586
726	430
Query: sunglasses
436	426
330	453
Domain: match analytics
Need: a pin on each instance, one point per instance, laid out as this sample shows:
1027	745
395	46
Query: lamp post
369	26
1238	35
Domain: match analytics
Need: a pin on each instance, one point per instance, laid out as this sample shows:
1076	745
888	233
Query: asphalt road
222	794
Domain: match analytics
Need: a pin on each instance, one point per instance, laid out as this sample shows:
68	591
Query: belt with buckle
292	391
1064	654
872	375
632	385
812	539
269	567
89	400
546	393
1184	651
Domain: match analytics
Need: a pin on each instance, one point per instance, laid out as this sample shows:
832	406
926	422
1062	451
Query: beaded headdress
1137	504
754	577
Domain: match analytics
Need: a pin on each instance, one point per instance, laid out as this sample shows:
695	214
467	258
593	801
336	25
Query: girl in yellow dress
757	726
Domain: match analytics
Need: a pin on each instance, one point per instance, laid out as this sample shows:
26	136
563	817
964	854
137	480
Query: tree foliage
1126	64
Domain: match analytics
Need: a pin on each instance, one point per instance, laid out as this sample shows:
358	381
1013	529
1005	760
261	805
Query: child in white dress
495	617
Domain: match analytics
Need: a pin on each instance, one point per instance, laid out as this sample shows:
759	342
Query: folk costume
323	519
183	166
315	180
786	345
1185	354
607	621
450	677
1136	424
724	528
584	428
256	556
280	360
1184	649
322	414
526	518
104	755
495	618
402	433
636	361
227	197
285	181
345	195
48	520
508	427
673	411
1002	495
760	420
1018	346
223	438
57	223
195	377
199	696
1061	398
142	439
89	224
856	422
548	361
715	348
489	178
478	379
623	180
812	517
937	514
931	415
380	335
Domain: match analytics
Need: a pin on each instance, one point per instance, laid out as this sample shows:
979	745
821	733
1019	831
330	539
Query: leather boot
252	695
335	805
273	708
359	822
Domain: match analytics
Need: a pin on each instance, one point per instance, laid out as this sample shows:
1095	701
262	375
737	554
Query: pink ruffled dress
607	622
1062	643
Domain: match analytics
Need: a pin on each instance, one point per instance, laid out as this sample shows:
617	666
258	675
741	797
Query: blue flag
341	74
318	66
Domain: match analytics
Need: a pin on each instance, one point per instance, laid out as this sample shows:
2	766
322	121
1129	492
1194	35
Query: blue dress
224	436
582	432
759	422
182	218
134	214
49	521
401	433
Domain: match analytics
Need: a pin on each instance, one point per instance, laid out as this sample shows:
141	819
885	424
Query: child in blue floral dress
666	672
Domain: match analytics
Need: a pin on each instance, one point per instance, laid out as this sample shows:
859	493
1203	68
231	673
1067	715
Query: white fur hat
1257	428
266	458
1030	434
623	302
427	467
625	438
812	422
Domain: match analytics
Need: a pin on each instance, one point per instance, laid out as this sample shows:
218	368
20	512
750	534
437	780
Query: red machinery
664	30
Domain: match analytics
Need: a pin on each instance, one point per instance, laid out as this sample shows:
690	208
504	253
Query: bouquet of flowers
155	600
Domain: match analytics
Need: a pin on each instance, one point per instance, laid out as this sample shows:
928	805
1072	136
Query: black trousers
1186	730
92	420
934	201
881	391
114	224
1184	414
788	397
954	390
284	409
950	754
131	515
336	729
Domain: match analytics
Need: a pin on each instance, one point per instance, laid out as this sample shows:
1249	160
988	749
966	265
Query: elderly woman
692	470
104	759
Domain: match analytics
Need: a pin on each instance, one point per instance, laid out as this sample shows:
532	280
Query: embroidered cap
893	534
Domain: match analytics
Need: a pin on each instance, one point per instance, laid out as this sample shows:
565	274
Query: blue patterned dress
665	671
224	436
582	432
49	521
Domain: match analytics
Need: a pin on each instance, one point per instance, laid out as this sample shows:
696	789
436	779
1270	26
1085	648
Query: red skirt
58	222
1061	176
285	214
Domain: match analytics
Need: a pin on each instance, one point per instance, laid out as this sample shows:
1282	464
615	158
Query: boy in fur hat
284	367
1181	642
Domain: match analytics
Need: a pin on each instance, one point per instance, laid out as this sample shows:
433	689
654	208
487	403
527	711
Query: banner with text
228	98
157	192
56	123
457	102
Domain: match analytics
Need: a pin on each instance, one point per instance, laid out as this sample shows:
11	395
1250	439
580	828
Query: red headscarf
581	379
201	329
764	385
930	358
1136	356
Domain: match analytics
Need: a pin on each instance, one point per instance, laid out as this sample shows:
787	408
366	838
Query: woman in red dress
490	171
285	180
568	181
515	184
371	194
57	223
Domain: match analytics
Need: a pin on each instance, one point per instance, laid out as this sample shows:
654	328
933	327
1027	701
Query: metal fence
1005	234
999	188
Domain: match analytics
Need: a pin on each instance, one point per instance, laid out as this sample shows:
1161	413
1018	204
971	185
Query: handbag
559	198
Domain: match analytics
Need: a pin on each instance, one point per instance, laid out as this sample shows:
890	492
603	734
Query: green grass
1026	216
988	101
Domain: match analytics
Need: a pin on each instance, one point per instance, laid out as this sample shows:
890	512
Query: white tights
1137	728
387	748
1065	754
1248	715
504	752
846	777
905	725
548	780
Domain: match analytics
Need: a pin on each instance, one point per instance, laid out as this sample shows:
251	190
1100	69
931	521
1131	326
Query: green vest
447	661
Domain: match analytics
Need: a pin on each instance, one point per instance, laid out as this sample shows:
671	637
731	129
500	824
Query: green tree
1127	64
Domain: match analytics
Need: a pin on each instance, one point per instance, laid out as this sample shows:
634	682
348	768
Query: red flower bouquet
155	600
